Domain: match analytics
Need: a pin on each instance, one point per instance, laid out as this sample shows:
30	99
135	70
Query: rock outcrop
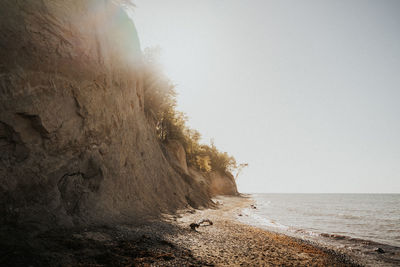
75	146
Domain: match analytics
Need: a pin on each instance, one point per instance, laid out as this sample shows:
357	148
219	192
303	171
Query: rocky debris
379	250
147	245
231	243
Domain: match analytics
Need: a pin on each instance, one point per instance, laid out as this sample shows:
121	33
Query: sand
167	242
230	243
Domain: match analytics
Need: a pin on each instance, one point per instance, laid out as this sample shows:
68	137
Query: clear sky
306	92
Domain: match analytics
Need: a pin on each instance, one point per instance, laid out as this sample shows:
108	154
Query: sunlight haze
306	92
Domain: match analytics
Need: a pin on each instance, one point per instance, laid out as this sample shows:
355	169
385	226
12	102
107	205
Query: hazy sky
306	92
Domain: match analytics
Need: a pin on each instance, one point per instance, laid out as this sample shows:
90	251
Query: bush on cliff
170	124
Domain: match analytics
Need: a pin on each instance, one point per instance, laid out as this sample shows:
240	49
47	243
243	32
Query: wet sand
167	242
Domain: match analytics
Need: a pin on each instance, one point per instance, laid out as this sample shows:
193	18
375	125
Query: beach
230	243
168	242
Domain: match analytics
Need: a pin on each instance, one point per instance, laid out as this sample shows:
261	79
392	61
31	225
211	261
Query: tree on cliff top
170	124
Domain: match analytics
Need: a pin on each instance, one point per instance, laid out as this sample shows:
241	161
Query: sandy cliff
215	182
222	184
75	144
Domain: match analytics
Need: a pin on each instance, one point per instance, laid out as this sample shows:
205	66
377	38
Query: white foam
257	220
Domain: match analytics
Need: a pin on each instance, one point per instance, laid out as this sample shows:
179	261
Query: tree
160	107
239	169
203	162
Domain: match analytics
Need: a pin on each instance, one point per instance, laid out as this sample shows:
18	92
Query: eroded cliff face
75	146
215	182
176	155
222	184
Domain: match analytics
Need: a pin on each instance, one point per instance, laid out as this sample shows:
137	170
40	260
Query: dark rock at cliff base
76	147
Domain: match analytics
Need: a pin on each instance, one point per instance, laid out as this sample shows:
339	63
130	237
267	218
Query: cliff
76	147
215	182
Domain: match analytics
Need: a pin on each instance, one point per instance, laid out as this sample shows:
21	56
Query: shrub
170	124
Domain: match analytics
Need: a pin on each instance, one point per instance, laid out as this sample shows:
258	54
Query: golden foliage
203	163
170	124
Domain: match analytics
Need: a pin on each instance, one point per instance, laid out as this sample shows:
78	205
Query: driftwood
206	221
193	226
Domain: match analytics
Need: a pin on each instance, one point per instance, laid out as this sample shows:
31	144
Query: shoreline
365	252
258	246
168	242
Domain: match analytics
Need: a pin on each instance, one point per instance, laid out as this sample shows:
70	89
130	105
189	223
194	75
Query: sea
364	226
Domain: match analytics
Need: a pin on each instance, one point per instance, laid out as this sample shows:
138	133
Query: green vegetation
170	124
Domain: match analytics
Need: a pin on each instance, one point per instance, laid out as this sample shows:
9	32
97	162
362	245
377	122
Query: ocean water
357	222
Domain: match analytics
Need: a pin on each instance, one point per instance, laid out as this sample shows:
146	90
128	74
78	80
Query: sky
306	92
